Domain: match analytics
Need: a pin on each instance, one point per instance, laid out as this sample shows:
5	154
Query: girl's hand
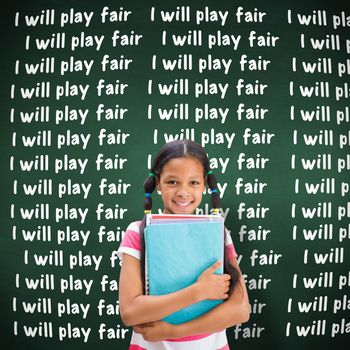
213	286
155	331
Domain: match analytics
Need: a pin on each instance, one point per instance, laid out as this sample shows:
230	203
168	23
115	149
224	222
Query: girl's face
182	185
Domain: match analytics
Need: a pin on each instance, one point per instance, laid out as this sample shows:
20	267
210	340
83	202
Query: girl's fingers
214	267
226	277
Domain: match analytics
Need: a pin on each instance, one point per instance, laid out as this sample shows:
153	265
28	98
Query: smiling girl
180	172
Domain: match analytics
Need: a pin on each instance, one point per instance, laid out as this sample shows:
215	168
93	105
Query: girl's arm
136	308
234	310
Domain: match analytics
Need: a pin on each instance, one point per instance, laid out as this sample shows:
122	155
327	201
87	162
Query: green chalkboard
91	90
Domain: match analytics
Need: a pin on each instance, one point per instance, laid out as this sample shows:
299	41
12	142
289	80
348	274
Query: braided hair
177	149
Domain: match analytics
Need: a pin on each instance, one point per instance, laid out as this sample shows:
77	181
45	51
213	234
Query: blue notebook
177	253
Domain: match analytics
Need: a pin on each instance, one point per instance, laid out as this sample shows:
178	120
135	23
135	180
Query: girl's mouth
182	204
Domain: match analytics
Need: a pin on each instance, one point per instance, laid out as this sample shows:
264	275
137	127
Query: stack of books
178	249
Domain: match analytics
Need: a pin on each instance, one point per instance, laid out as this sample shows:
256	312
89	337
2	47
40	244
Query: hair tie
209	172
216	210
147	212
215	190
151	174
148	195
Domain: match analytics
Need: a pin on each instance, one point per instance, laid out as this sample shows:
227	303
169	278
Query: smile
183	204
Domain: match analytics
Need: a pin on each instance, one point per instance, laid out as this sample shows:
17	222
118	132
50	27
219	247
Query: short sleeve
230	250
131	243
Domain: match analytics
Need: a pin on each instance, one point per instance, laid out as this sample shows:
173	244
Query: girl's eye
195	183
171	182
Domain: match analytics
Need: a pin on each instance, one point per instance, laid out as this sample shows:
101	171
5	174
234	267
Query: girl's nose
183	192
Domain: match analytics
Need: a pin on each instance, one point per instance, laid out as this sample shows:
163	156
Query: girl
180	172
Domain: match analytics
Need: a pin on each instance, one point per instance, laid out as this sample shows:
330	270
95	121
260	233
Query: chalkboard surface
91	90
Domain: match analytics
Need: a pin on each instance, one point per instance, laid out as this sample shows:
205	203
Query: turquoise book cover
176	255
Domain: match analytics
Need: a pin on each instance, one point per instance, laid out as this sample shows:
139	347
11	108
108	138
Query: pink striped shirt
131	245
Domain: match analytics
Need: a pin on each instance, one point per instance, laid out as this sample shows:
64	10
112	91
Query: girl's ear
157	184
